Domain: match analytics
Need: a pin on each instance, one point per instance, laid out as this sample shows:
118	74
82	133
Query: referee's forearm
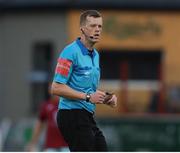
65	91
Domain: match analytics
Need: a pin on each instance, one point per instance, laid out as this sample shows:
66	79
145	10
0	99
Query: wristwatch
88	96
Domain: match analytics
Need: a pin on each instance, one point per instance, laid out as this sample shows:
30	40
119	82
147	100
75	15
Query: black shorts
80	131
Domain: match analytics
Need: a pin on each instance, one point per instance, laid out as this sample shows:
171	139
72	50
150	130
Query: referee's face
93	28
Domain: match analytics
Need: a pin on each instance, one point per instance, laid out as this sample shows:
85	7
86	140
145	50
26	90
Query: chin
95	41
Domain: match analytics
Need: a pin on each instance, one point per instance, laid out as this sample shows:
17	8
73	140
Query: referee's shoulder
70	49
71	46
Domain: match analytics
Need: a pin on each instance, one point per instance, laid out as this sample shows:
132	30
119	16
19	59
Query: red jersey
48	112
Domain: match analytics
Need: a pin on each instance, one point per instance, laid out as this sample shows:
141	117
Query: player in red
53	138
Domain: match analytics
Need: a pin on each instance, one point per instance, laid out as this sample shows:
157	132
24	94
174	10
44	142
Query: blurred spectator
158	102
53	138
174	99
153	105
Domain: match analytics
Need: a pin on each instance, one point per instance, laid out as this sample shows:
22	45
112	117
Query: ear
82	30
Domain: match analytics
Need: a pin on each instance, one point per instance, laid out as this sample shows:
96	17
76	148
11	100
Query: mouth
96	36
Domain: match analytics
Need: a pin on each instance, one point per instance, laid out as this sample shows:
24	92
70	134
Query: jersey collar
84	50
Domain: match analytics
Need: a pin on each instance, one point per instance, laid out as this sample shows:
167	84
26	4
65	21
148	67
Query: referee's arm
63	90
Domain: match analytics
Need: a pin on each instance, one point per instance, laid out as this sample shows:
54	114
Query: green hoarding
150	133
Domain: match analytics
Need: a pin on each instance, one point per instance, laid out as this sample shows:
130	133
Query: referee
76	80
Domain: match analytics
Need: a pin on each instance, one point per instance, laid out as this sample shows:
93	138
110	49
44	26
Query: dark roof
90	4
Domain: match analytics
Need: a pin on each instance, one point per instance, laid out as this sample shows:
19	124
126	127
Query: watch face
88	97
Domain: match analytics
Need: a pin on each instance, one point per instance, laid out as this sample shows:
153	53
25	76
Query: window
42	55
134	65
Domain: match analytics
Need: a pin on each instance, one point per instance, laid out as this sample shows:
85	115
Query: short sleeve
64	66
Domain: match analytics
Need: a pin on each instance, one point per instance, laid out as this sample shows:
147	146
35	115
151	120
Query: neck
88	44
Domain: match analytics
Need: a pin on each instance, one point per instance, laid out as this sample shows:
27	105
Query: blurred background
139	59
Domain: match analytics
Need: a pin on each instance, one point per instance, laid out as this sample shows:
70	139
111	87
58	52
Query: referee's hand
97	97
112	101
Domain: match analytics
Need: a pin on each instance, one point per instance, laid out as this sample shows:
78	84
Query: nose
97	29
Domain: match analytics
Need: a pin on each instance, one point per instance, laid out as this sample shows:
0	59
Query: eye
100	26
